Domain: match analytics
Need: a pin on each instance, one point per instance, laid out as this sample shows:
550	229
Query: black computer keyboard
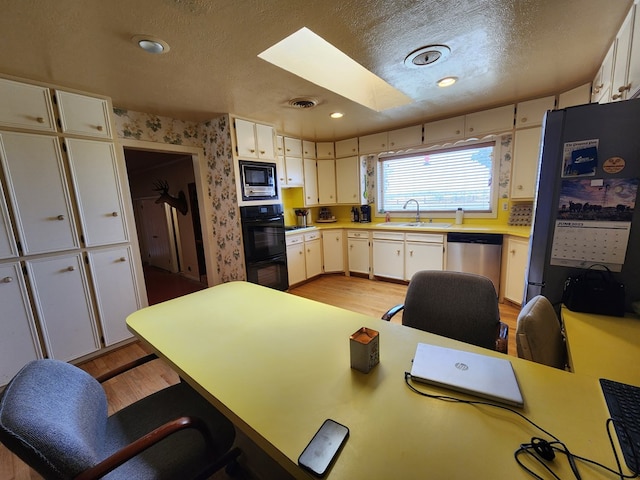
623	402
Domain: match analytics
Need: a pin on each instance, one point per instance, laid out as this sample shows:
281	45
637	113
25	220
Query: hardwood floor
370	297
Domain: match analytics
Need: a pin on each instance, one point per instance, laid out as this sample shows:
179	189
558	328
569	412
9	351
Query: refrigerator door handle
537	284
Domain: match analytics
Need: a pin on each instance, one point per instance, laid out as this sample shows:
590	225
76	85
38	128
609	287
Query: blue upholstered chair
461	306
53	415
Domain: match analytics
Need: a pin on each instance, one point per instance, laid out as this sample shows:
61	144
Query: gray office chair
539	337
53	415
462	306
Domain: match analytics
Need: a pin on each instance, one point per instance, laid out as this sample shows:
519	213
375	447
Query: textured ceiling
501	50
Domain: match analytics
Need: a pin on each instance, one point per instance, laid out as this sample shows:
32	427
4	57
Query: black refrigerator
585	205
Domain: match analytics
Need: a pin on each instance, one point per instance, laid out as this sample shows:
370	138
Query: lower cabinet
333	250
388	254
313	254
18	342
423	251
358	251
304	256
515	261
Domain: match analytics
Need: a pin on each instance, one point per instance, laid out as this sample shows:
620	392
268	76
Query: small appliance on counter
365	214
325	216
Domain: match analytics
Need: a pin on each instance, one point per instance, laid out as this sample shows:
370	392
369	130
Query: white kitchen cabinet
517	251
447	130
26	106
531	113
405	137
375	143
601	92
94	173
83	115
114	282
313	254
346	148
310	182
326	171
292	146
62	300
526	158
358	251
293	172
333	250
254	140
8	247
38	192
633	78
496	120
576	96
621	59
348	180
308	149
325	150
18	342
388	254
295	259
423	251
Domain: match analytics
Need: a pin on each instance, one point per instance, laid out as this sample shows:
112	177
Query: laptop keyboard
623	402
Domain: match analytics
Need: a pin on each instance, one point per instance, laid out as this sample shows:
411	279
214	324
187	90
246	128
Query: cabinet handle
520	187
337	239
114	214
398	252
7	280
392	144
624	88
60	217
411	253
262	152
252	150
457	132
616	96
40	120
71	268
524	119
122	259
100	128
512	252
289	179
300	252
471	129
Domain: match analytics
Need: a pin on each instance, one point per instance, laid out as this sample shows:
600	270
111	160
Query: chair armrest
502	342
126	367
148	440
392	311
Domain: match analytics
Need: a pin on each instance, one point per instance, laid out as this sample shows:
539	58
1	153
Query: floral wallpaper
214	137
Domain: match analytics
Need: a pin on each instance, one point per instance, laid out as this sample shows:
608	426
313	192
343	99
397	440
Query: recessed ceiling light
447	81
151	44
337	115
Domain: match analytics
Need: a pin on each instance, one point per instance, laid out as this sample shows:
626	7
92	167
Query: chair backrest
538	334
462	306
53	416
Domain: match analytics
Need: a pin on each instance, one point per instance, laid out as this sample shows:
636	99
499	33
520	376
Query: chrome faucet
417	208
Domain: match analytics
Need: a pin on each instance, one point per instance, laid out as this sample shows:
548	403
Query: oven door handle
260	220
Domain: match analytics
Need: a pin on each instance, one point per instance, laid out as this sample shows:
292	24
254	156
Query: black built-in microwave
258	180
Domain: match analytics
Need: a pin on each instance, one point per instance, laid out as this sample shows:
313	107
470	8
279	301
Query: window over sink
441	180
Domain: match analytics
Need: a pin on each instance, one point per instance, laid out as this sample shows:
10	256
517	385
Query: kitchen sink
414	224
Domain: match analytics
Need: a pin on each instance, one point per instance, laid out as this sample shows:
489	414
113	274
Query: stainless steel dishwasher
479	253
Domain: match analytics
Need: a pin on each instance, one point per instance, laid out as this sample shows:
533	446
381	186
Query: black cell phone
323	447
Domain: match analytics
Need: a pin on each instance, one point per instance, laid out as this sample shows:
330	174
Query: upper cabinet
26	106
576	96
495	120
346	148
82	115
325	150
308	149
633	79
376	143
601	92
254	140
524	168
405	137
620	86
531	113
447	130
293	147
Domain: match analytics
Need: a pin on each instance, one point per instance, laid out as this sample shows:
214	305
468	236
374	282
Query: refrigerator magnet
613	165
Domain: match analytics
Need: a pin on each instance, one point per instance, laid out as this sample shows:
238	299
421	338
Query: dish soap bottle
459	216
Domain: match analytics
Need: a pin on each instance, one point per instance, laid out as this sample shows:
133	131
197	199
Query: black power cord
539	449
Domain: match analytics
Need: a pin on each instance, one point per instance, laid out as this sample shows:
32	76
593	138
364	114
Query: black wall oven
265	251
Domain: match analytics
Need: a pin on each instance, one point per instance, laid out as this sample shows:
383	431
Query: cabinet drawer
82	115
26	106
294	239
356	234
388	236
311	236
424	237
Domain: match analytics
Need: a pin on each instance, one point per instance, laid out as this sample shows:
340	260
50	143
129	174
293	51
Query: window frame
495	172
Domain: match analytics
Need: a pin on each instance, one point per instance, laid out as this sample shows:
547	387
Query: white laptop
492	378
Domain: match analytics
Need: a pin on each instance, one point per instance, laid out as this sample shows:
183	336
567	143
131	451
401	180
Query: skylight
309	56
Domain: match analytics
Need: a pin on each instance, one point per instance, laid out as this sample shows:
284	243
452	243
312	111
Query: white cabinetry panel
346	148
310	182
405	137
38	192
116	291
8	247
450	129
358	251
26	106
496	120
516	265
18	342
388	254
333	250
82	115
526	156
531	113
375	143
348	180
326	170
61	297
95	179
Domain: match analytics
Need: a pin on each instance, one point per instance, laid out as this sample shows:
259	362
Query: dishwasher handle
479	238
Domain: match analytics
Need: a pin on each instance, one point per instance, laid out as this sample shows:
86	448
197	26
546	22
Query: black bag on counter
594	291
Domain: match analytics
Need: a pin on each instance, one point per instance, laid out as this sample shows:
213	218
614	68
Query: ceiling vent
427	55
303	102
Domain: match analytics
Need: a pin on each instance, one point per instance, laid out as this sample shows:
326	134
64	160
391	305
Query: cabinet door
18	338
310	182
447	130
388	258
358	253
376	143
292	146
348	180
308	149
116	291
264	142
26	106
245	139
295	263
326	182
422	256
496	120
295	171
313	257
94	171
333	250
325	150
517	253
602	82
8	246
633	79
82	115
346	148
576	96
38	192
531	113
621	59
61	297
524	169
405	137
